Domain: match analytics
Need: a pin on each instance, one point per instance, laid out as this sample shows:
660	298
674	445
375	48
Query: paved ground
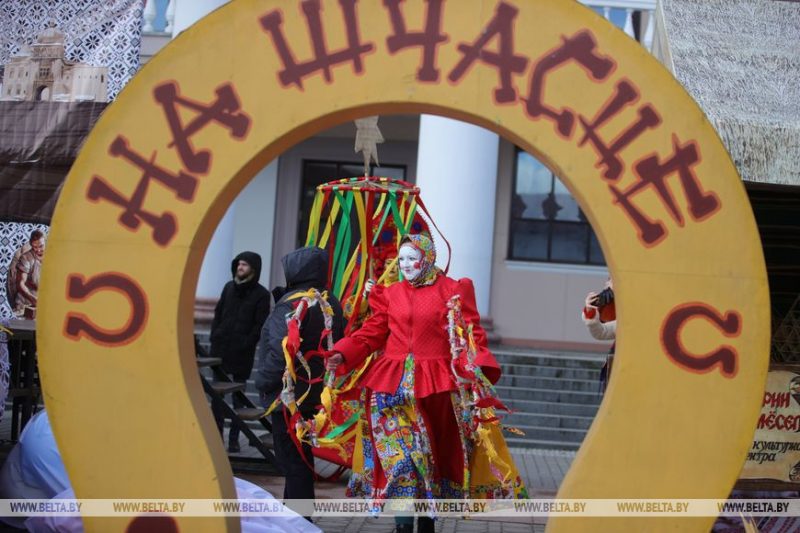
542	470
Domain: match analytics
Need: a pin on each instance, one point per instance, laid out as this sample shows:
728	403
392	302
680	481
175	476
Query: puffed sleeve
602	331
469	309
372	334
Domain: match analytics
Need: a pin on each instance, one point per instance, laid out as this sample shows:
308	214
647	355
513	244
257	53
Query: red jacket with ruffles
407	319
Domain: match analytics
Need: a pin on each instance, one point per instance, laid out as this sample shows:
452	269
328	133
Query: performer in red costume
413	448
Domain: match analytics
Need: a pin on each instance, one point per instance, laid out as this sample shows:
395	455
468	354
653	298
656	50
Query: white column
216	269
149	15
457	176
254	221
247	226
187	12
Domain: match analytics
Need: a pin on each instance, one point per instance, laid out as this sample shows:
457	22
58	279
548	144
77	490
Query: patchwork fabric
400	441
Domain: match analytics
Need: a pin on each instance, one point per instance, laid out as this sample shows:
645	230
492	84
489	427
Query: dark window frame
551	223
338	174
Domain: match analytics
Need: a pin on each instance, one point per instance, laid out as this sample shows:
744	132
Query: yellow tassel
326	399
288	358
272	407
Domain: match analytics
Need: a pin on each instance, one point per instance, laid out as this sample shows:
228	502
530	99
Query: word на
224	111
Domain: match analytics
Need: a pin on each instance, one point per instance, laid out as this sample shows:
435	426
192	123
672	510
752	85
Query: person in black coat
238	317
304	269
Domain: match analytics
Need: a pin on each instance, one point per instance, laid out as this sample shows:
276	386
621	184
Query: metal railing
159	16
634	17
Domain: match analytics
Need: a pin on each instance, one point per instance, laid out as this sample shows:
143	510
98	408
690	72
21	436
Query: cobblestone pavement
542	471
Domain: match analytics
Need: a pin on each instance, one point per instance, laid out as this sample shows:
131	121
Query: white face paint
409	260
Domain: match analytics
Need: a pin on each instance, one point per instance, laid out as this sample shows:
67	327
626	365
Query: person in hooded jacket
304	269
239	315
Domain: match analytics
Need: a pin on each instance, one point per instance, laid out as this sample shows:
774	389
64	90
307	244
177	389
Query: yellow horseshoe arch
255	77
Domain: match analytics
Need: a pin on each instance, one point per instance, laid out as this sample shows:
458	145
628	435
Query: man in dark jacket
240	313
304	269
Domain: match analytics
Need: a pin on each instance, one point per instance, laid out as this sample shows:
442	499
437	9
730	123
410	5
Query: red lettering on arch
626	93
225	110
153	524
505	61
164	225
652	175
578	49
79	325
725	357
429	39
293	72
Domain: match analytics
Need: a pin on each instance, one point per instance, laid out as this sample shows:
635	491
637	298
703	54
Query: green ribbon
343	239
386	211
407	227
344	426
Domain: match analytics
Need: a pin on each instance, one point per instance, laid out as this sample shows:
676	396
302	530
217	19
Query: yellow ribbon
323	242
315	215
362	223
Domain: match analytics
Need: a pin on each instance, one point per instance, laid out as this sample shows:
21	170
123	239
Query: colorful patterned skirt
415	448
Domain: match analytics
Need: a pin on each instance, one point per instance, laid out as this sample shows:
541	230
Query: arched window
43	94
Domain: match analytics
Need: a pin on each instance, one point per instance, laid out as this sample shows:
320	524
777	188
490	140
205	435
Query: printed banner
38	143
60	64
77	48
21	252
775	453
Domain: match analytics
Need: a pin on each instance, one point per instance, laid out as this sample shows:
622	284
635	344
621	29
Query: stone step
510	394
551	434
225	387
557	384
249	413
552	408
506	355
519	418
546	371
523	442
